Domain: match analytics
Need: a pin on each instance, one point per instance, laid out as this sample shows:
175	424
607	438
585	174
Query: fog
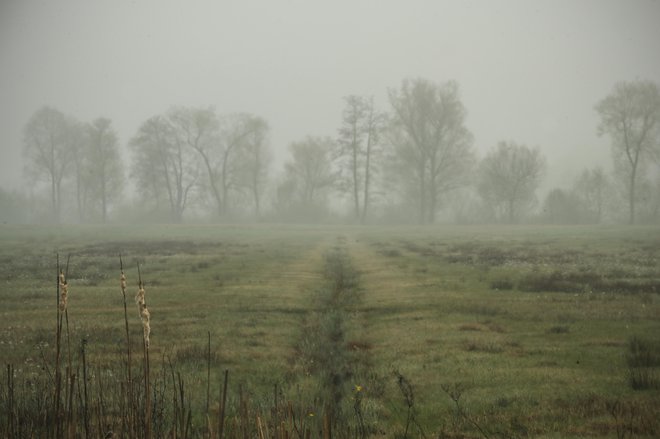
529	72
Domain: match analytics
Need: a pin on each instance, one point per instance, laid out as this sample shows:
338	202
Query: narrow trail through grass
331	365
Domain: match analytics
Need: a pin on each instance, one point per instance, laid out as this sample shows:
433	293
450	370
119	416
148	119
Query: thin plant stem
129	363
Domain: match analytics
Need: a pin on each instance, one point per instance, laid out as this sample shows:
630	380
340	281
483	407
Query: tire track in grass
399	318
331	357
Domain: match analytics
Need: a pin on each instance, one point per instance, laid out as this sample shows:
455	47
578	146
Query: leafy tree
308	175
562	207
432	148
591	188
254	160
104	167
630	116
81	169
227	146
508	178
199	129
165	169
48	149
358	144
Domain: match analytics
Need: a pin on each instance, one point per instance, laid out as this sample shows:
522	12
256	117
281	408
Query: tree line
414	163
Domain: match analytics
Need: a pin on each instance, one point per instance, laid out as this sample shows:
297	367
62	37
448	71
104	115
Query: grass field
453	332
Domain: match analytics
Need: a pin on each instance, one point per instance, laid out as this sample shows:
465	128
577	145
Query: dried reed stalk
62	302
223	404
208	385
146	330
129	363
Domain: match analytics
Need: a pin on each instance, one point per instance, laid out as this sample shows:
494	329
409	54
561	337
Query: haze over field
531	72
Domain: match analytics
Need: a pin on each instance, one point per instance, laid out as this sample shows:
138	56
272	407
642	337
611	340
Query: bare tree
163	166
48	149
432	146
508	178
630	116
358	141
104	166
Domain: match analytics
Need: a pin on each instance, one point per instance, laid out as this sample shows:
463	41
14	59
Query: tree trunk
356	193
225	181
104	200
56	215
367	175
631	195
422	194
212	182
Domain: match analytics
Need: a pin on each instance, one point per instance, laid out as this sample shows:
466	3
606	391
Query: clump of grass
482	346
559	329
503	284
643	358
471	327
560	281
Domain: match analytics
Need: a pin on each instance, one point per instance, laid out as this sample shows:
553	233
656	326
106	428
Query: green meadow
333	331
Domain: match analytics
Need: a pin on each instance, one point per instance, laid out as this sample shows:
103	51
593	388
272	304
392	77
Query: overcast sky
529	71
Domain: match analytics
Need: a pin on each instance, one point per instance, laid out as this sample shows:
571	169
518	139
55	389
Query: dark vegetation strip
333	357
573	270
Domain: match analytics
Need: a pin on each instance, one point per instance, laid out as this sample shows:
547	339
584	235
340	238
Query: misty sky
529	71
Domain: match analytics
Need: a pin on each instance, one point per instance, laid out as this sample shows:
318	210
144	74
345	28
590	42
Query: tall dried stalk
129	363
208	385
223	405
10	401
62	301
83	344
70	376
146	330
58	338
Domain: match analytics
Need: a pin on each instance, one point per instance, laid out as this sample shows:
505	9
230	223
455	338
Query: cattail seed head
64	292
145	316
